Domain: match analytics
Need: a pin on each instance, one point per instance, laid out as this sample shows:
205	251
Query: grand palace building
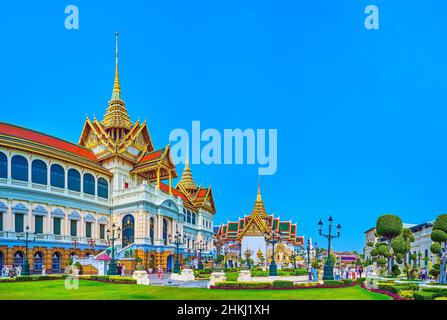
69	197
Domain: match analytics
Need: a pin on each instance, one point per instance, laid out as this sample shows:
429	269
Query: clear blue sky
361	115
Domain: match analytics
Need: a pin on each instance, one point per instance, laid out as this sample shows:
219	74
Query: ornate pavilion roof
257	223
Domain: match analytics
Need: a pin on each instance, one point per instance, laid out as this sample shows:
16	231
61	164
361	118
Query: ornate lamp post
75	243
111	237
316	250
92	244
200	246
294	255
328	268
308	260
226	250
272	238
25	263
178	241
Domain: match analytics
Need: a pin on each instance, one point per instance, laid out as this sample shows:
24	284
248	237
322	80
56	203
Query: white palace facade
66	196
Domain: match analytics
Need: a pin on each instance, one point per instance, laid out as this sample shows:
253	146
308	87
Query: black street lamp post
178	241
309	270
25	263
75	243
226	249
111	237
200	246
294	255
328	273
272	238
92	244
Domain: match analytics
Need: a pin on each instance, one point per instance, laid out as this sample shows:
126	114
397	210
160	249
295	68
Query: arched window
103	188
57	178
165	232
74	180
188	219
89	184
128	230
39	172
19	168
193	218
151	230
18	258
56	262
3	165
38	261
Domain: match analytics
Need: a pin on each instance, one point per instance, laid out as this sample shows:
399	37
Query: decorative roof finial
116	95
187	180
116	114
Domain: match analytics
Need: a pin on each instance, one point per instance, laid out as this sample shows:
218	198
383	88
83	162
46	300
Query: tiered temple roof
257	224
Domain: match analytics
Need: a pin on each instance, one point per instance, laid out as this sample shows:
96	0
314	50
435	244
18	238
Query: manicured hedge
40	277
333	282
276	285
442	291
243	285
425	295
112	279
282	284
396	288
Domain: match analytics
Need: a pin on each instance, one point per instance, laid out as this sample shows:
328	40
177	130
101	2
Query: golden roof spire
116	94
186	180
116	114
259	208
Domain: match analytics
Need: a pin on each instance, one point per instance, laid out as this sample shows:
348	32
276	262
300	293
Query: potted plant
139	263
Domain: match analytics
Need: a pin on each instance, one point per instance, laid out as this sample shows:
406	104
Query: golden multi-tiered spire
259	208
186	181
116	116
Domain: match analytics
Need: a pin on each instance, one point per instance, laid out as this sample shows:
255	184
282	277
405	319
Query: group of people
120	269
159	271
11	271
348	272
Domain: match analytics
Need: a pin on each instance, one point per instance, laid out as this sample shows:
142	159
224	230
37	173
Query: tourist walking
160	272
123	268
118	269
44	270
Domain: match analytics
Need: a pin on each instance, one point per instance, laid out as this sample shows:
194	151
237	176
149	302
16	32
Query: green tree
389	226
439	237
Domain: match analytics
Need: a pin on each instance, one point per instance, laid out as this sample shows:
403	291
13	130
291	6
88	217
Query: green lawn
55	290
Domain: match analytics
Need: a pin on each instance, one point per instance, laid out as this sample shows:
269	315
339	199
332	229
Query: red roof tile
19	132
165	188
151	156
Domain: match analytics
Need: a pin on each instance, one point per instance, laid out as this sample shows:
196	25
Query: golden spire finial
116	95
116	114
186	180
259	208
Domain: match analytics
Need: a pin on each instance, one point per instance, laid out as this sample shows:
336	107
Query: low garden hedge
277	285
282	284
40	277
426	295
243	285
111	279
